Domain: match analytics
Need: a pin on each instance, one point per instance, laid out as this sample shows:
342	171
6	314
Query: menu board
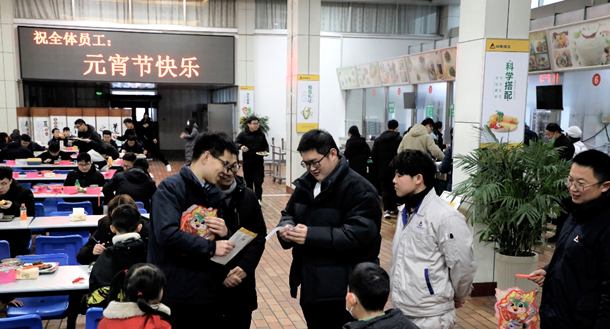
348	79
368	75
581	45
416	67
393	72
449	56
539	52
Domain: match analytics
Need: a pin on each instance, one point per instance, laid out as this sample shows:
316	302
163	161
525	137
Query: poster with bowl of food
449	59
539	52
393	72
581	45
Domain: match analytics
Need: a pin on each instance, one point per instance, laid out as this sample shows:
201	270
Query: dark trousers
388	193
237	320
254	174
153	151
187	316
326	315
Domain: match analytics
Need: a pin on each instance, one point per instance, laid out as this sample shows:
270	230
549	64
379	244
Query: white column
481	20
303	58
8	74
245	43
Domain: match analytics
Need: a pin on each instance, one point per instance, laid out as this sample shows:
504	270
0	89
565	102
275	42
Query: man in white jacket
433	262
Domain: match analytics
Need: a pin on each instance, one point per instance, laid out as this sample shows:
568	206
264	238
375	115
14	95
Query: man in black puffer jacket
241	209
384	150
86	174
13	195
192	278
14	150
252	141
332	223
135	182
89	138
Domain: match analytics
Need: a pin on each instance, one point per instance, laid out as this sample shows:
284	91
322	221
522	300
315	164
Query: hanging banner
580	45
307	102
246	101
504	88
348	79
539	52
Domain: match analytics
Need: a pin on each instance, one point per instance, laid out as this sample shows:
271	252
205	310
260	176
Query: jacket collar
125	310
592	209
120	238
307	181
213	194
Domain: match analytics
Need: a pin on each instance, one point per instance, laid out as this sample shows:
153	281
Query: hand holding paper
239	240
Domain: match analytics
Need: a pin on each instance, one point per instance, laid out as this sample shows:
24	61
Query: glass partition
353	112
374	112
401	114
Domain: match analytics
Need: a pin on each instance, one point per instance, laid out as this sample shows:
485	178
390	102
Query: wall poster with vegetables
308	88
504	88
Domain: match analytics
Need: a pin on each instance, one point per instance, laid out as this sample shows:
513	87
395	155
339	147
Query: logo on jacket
420	225
577	239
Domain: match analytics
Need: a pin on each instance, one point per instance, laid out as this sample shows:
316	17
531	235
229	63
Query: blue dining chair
45	307
94	315
140	204
142	211
26	185
39	209
5	250
69	245
68	206
31	321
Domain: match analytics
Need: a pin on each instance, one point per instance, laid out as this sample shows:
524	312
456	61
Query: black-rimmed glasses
228	167
313	164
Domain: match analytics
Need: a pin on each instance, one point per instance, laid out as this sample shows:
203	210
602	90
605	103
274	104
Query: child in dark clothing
368	292
127	249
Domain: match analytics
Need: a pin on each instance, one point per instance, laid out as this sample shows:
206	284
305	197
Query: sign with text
246	101
504	89
307	102
72	54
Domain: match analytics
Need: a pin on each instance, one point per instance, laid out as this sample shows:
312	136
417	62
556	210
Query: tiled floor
276	309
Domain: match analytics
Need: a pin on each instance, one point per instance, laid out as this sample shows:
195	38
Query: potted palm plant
512	191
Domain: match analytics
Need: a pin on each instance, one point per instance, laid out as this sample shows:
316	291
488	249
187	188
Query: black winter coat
577	284
61	156
128	132
104	235
255	142
87	179
18	239
439	139
567	153
137	148
53	140
94	144
35	147
14	150
384	150
343	224
134	182
357	152
392	319
243	210
192	278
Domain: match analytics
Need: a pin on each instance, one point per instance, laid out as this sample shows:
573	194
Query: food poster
42	130
368	75
434	66
539	52
393	72
449	57
504	89
348	78
25	125
581	45
246	101
416	67
308	87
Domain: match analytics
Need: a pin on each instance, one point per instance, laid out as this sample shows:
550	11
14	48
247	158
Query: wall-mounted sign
391	107
246	101
429	110
72	54
307	102
596	79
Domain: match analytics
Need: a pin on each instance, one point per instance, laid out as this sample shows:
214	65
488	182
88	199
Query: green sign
429	111
451	110
391	107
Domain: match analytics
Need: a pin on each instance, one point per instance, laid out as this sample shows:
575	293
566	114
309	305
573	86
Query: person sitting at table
107	138
127	250
56	137
26	141
132	145
14	150
67	133
12	195
54	154
86	174
135	182
4	139
107	150
128	160
102	237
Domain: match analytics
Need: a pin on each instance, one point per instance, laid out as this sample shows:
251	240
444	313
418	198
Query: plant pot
507	266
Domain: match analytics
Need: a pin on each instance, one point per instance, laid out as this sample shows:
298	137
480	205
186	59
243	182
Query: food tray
50	270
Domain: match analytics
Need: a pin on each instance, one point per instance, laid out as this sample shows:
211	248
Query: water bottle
23	212
77	183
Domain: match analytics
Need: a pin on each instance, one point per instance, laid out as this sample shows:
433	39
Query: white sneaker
387	215
169	168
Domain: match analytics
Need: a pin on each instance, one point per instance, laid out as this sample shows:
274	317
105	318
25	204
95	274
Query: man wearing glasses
332	223
253	143
191	290
577	280
12	195
87	176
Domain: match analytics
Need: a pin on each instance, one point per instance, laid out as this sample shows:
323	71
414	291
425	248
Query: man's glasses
228	167
579	187
84	165
313	164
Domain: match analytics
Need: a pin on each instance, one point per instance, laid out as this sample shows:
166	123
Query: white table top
63	222
61	280
42	166
57	178
16	224
66	196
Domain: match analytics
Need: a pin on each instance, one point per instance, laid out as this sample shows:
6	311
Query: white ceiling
407	2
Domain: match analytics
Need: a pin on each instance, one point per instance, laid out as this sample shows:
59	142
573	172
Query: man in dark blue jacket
577	280
184	258
332	223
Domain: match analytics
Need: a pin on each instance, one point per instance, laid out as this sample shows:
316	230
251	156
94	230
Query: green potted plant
262	121
512	190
